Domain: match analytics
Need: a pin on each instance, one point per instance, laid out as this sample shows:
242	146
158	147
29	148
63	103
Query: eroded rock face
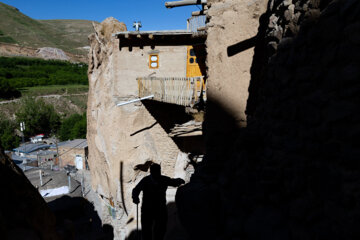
52	53
120	138
23	212
291	173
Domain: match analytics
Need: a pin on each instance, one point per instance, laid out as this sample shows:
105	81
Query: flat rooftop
76	143
160	38
31	147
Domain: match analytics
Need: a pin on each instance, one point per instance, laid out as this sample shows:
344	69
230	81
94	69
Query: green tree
67	124
79	129
7	91
27	72
38	116
73	127
8	139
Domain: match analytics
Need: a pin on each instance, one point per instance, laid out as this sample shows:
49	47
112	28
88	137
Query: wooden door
192	65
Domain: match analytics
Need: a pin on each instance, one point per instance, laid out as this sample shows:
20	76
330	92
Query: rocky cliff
292	173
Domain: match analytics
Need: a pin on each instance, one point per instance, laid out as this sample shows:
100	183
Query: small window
154	61
191	60
192	52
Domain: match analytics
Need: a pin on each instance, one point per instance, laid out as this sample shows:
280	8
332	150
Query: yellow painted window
154	61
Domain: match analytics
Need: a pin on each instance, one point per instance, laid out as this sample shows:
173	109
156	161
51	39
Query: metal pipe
184	3
135	100
41	180
69	182
197	13
82	186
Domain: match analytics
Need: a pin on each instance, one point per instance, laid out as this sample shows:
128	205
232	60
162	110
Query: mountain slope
68	35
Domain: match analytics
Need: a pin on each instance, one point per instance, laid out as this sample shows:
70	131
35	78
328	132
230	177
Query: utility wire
71	148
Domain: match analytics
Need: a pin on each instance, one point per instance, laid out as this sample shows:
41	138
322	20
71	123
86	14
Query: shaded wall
293	171
232	29
23	212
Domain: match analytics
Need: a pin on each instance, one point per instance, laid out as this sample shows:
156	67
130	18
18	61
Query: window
154	61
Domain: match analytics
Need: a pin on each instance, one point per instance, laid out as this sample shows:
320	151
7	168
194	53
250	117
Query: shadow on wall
200	209
23	212
293	172
134	235
241	46
174	230
262	52
167	115
77	219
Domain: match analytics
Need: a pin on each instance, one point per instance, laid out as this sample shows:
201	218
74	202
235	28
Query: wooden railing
175	90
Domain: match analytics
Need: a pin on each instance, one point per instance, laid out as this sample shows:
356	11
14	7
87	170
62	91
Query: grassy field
54	90
6	39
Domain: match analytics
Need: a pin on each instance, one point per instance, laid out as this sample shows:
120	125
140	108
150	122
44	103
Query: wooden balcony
175	90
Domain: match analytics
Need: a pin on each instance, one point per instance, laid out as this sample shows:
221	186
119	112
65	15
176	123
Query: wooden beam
197	13
151	36
184	3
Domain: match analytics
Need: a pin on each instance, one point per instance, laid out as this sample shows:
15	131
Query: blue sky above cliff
152	13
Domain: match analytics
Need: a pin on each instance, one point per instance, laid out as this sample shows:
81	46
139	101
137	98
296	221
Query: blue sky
152	13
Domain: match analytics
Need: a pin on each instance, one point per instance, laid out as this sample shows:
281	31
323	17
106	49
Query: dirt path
47	96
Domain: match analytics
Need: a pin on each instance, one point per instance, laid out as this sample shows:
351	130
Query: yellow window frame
157	61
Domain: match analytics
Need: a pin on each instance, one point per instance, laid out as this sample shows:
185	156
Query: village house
37	139
74	153
146	89
166	66
33	154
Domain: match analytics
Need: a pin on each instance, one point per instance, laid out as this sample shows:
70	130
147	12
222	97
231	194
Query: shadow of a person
153	209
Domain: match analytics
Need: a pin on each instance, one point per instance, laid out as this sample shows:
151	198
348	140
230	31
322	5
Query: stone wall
293	172
68	156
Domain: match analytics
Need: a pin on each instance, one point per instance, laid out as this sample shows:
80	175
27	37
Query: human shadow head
155	170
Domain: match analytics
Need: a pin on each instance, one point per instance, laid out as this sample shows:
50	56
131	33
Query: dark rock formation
23	213
294	170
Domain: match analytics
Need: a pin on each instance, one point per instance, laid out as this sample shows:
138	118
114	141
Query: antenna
137	25
22	128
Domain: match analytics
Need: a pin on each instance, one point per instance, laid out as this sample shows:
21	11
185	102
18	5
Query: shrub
38	116
73	127
8	139
27	72
7	91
